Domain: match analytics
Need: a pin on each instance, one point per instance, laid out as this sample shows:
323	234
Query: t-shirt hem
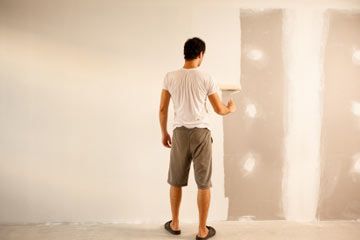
192	126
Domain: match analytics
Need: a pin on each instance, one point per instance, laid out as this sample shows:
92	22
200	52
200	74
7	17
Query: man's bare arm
219	107
163	116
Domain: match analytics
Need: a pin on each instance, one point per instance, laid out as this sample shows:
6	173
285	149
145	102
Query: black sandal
211	233
168	228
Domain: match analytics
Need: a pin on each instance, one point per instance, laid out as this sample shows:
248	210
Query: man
189	87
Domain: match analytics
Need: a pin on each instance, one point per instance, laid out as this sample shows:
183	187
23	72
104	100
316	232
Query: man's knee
206	187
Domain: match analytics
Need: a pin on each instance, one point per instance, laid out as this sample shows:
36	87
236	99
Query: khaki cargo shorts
191	144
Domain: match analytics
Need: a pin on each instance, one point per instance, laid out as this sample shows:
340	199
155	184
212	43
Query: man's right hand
231	105
219	107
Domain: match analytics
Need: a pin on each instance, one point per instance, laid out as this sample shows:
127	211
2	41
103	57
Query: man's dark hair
193	47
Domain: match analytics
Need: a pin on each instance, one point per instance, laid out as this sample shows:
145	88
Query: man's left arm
163	116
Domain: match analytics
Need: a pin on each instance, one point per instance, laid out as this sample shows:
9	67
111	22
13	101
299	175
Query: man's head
194	48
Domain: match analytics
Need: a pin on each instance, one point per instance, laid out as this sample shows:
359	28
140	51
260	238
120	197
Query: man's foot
174	226
206	234
170	229
203	233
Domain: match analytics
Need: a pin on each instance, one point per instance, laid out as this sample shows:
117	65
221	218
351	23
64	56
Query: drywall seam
303	40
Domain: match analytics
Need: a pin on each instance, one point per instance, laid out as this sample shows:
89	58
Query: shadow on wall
254	135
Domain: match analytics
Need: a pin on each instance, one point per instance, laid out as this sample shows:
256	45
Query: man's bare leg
175	199
203	200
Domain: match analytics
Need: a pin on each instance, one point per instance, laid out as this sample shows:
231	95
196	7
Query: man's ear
201	54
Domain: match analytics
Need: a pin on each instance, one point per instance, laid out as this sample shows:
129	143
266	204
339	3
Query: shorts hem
177	185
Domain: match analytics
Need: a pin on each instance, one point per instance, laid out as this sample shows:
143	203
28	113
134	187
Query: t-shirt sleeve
212	86
166	83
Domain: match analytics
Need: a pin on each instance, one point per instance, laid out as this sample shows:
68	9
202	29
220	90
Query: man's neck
190	64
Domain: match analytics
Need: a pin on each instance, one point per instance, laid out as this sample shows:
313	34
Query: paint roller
233	88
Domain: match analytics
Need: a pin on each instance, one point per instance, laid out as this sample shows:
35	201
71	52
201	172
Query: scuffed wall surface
253	136
340	141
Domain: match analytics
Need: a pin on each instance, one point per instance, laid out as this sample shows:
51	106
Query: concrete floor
257	230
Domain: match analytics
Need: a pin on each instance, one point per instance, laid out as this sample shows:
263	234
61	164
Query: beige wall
254	135
79	94
340	179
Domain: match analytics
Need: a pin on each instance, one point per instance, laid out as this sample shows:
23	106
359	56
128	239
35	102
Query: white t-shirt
189	89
